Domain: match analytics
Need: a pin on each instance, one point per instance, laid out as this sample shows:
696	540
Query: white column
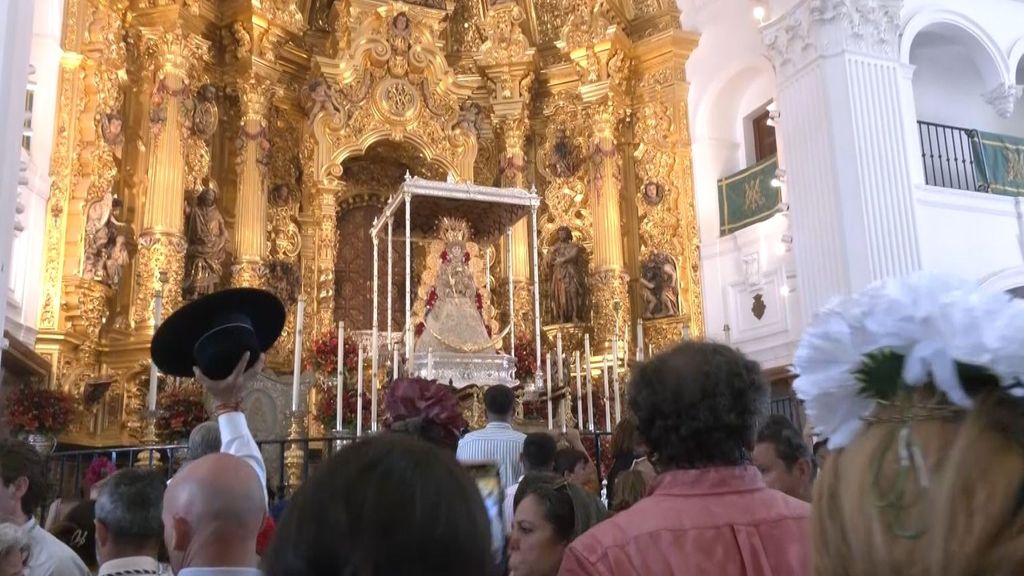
15	45
848	173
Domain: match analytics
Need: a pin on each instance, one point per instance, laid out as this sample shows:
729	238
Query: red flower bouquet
179	410
425	408
99	468
325	354
327	409
39	411
526	358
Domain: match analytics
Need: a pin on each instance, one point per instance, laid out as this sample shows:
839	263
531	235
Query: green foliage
880	375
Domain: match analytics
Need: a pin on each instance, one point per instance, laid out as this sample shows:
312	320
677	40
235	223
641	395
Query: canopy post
391	288
408	279
536	289
374	343
511	297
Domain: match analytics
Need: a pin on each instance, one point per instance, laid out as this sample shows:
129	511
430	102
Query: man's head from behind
697	405
204	439
128	515
499	400
784	459
538	452
213	510
24	481
574	466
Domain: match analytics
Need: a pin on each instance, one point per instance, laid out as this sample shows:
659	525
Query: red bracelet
227	407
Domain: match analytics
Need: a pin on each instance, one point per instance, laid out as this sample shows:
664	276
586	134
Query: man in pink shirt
708	511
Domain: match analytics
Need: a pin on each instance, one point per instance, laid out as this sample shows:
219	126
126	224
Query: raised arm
235	437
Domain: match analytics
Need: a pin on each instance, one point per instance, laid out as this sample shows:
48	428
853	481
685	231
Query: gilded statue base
148	458
462	370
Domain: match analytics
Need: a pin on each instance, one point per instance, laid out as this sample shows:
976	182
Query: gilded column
609	281
597	45
508	61
161	241
251	212
326	221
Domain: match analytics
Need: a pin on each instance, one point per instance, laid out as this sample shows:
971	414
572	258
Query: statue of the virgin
454	320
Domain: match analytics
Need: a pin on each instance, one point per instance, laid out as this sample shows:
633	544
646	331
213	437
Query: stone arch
1017	61
984	50
1006	280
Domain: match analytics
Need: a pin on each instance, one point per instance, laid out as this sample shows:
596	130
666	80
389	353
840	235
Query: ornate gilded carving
505	39
610	286
158	253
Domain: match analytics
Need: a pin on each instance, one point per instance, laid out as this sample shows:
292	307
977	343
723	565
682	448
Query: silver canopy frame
415	210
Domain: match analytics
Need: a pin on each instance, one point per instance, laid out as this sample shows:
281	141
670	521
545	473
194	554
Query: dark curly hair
698	405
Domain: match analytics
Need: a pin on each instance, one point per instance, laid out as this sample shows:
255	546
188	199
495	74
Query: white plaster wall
967	233
15	42
28	244
729	79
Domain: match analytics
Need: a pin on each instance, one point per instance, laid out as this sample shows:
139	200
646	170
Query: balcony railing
949	157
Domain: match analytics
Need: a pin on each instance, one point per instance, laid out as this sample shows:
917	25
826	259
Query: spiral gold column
251	212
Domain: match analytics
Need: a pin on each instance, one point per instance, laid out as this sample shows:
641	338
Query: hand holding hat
219	335
230	389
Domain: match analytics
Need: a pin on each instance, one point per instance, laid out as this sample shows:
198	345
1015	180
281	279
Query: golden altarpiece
202	144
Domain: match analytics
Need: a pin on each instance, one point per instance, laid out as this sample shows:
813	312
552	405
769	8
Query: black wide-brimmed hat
214	332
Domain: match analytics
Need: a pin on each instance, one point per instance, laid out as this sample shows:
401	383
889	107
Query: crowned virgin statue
453	319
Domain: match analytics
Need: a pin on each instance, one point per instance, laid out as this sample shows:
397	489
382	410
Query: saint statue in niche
454	317
207	238
106	244
567	262
659	286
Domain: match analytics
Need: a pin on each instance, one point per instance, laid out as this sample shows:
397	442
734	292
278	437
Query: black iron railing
788	406
949	158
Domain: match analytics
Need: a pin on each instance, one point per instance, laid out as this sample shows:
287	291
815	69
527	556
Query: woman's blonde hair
630	487
926	489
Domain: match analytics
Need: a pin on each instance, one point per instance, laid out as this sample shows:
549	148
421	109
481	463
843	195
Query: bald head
213	510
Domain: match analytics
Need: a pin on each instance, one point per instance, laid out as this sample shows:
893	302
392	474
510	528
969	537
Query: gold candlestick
295	456
148	458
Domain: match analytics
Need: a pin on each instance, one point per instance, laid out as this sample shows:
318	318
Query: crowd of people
916	466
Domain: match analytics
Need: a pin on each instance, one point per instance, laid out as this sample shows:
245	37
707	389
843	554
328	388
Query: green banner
748	197
999	163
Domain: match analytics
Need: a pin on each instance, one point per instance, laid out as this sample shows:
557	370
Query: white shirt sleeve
237	440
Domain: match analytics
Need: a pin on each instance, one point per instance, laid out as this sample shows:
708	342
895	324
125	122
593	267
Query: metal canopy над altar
418	206
489	211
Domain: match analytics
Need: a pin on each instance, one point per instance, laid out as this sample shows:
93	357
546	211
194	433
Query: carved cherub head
400	23
564	234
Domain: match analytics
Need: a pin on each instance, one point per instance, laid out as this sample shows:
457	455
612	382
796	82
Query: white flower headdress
905	333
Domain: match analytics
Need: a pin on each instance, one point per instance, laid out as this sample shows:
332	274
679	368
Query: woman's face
534	549
12	564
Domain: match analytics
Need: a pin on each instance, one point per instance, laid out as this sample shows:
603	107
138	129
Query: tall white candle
359	394
430	363
640	340
615	377
158	311
607	396
579	391
394	365
551	410
590	385
297	363
558	351
686	332
341	375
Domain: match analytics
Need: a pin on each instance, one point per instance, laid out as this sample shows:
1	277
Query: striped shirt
499	443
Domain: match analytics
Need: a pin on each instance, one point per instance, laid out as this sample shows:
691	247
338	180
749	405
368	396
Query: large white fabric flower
934	322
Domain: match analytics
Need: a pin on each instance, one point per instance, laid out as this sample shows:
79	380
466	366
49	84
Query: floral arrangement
426	408
39	411
99	468
325	353
327	409
179	410
526	357
900	335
